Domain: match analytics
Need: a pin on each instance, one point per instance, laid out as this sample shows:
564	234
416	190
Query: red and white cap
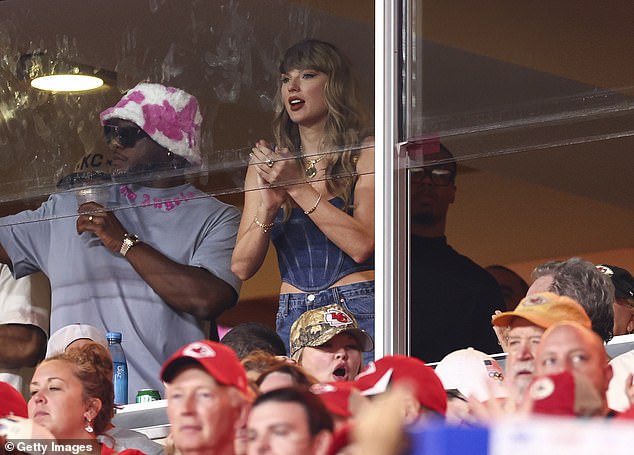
170	116
11	401
220	361
379	375
565	394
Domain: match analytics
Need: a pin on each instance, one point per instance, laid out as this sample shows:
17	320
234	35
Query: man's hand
19	428
103	223
502	333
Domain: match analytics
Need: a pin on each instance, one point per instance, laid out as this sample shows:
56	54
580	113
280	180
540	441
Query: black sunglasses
126	136
438	176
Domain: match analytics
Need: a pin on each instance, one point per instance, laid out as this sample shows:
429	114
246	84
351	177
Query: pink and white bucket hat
170	116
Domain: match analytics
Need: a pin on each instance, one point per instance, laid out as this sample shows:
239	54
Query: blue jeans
358	298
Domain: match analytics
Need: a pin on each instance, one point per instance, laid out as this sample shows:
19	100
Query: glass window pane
224	53
55	153
537	113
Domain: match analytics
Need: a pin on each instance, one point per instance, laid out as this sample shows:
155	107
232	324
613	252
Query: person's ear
630	324
453	194
609	374
321	442
411	409
243	413
93	407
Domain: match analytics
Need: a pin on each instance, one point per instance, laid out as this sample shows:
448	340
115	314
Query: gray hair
580	280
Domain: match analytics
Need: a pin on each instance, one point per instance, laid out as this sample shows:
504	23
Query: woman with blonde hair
312	192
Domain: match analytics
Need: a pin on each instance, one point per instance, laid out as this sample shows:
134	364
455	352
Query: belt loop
337	297
284	304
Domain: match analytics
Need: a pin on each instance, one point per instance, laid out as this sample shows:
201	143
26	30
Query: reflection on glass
218	51
563	195
452	298
156	265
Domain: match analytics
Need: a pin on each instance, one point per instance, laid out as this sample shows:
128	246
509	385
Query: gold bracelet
314	207
264	226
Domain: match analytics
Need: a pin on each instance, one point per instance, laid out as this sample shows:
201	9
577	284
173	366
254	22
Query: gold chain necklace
309	169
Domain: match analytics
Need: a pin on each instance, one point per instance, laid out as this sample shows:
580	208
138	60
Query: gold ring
270	162
90	219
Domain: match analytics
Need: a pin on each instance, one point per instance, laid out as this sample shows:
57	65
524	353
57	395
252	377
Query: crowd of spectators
557	365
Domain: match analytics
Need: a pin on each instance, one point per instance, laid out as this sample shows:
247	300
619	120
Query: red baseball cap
565	394
380	374
220	361
11	401
336	396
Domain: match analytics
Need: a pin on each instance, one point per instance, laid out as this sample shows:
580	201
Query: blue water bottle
120	368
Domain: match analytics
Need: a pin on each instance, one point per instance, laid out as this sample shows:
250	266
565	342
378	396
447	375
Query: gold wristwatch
129	240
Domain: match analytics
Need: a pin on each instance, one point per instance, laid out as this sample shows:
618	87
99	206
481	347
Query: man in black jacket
452	298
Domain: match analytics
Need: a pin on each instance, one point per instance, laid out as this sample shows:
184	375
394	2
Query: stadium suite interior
533	98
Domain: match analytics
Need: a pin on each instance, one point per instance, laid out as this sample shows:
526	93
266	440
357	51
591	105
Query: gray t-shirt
92	285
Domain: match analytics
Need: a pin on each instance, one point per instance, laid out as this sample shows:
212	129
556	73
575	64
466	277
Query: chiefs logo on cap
199	351
534	300
605	270
542	388
320	388
337	318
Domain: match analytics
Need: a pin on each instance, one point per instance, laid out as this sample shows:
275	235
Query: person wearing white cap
469	373
74	335
161	265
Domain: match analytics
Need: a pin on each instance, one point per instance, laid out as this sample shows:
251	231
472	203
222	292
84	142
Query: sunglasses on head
125	136
438	176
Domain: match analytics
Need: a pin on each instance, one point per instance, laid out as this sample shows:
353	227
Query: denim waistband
338	294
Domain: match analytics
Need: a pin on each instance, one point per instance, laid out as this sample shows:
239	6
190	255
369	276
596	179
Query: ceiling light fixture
59	75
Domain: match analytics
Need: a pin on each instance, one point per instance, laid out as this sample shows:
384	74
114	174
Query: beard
149	168
423	218
521	382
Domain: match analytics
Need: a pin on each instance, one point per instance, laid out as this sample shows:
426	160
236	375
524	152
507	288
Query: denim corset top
307	259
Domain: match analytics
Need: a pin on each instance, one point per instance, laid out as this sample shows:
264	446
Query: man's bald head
569	346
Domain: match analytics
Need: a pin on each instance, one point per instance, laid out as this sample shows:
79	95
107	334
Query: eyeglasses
126	136
438	176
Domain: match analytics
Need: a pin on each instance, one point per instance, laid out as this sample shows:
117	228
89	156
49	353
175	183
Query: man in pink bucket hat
156	268
168	116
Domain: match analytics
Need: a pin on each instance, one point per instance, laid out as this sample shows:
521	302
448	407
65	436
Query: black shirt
452	301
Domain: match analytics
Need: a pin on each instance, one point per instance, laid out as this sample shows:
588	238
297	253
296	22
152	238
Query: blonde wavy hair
346	122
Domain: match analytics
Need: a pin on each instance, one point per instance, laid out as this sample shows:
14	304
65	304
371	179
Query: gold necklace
310	170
